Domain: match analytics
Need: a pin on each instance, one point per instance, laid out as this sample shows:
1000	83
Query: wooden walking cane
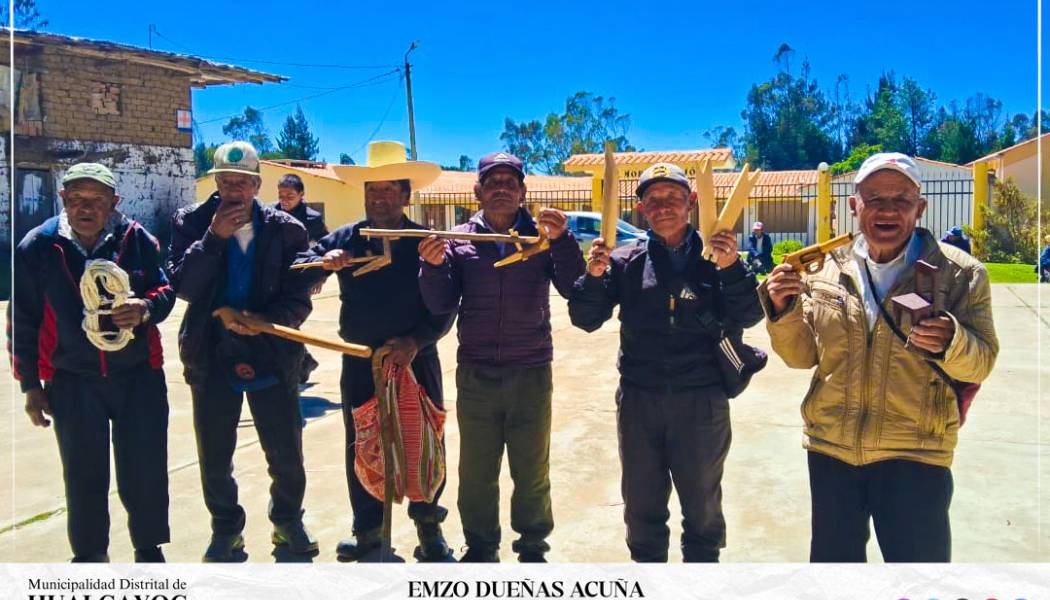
392	443
230	315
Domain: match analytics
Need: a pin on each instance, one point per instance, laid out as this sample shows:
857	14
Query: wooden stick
705	191
610	197
452	235
231	315
312	265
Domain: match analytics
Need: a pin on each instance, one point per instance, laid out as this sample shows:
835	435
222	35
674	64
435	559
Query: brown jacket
871	398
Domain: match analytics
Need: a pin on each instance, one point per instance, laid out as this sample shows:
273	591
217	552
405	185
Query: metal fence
949	202
443	210
788	212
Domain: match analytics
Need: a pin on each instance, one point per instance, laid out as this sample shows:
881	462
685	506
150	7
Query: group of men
881	417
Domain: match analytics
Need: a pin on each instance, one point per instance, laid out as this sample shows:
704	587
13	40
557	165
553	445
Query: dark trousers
137	405
357	388
907	500
673	436
279	423
497	408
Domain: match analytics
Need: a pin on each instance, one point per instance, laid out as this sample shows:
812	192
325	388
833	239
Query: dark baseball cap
499	159
662	172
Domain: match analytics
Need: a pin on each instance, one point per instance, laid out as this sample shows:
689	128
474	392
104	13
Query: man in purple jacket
504	377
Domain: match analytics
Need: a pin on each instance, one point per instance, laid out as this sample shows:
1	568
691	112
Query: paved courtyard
996	509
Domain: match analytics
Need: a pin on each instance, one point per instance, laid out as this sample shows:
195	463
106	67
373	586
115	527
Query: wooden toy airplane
527	245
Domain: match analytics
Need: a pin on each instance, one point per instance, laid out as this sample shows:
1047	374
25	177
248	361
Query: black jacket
312	220
382	304
197	269
47	309
670	324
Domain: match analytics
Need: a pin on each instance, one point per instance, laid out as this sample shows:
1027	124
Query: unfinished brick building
81	100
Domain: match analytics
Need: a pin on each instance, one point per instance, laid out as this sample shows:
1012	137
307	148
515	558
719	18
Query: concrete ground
1003	456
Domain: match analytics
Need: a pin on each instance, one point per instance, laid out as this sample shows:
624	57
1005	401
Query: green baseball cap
235	157
94	171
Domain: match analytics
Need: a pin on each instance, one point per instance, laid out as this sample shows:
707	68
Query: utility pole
151	36
408	88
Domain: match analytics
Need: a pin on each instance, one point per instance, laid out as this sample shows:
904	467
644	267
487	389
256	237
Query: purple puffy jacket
504	314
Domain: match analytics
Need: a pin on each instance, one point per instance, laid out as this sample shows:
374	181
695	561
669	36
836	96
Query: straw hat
387	162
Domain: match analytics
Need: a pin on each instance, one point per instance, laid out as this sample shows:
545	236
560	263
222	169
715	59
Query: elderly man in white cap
232	250
888	395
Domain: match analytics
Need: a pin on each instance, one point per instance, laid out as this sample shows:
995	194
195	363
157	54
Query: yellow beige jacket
871	398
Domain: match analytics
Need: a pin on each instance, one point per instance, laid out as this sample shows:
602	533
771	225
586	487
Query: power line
386	113
376	80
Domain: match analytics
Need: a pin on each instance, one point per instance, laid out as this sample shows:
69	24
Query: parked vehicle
586	226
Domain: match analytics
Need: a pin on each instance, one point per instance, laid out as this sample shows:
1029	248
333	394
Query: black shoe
432	546
480	555
531	557
225	547
149	555
295	537
309	364
91	558
357	547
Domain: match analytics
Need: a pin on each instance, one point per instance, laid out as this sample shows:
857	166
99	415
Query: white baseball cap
894	161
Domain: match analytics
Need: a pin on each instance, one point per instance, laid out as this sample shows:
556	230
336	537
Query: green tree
721	136
250	128
1010	230
856	157
465	164
788	121
295	140
203	156
917	108
588	121
344	159
26	16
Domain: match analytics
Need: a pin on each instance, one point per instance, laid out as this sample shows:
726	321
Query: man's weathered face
238	188
385	202
758	231
501	193
667	206
88	205
887	205
289	197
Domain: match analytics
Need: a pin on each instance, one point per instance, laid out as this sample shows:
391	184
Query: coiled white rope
115	283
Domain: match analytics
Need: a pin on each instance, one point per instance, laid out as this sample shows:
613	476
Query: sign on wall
183	120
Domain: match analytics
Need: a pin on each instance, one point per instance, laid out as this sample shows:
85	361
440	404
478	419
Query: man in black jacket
89	384
673	415
291	199
380	308
233	251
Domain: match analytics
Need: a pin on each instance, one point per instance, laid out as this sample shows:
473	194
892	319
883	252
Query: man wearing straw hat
503	382
232	250
672	410
384	308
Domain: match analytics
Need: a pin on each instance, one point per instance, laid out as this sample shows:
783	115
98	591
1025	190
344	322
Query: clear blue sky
677	69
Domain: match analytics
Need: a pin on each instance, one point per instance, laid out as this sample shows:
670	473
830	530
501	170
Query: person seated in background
759	249
955	237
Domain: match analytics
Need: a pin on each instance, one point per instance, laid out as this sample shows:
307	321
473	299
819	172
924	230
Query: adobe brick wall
148	98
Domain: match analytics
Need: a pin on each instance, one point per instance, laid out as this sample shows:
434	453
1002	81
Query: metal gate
949	202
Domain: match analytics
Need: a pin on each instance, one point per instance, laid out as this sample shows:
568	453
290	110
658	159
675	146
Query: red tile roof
638	158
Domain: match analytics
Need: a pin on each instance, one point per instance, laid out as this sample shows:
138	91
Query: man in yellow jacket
882	414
